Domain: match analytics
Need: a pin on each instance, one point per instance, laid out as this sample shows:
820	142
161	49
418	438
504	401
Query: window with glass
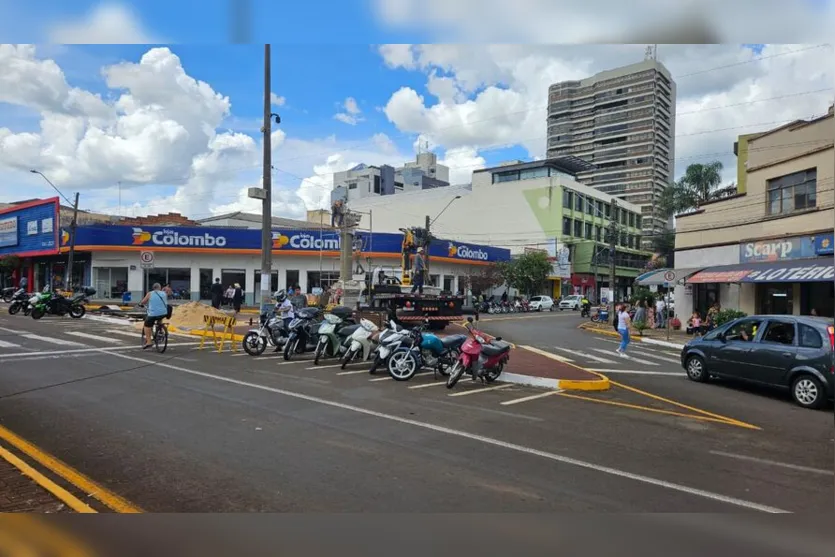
809	337
590	206
632	219
792	192
110	282
578	228
531	173
598	233
578	203
599	209
623	239
745	330
779	332
376	184
623	217
567	198
638	221
608	210
588	235
323	279
292	278
448	283
566	226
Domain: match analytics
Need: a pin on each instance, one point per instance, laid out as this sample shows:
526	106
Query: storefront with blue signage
189	259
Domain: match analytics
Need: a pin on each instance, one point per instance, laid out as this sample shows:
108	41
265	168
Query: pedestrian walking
227	296
217	294
660	313
237	298
623	329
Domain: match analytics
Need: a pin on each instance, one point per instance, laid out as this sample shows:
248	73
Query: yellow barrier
211	321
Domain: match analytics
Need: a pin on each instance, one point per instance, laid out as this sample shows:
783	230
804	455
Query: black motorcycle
60	305
20	302
8	293
271	332
586	310
302	332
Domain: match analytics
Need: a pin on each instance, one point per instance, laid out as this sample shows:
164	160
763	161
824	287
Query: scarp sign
777	250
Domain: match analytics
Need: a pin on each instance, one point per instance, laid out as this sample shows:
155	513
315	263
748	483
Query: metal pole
613	232
266	212
426	250
71	256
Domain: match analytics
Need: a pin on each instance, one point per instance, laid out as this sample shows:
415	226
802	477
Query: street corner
606	330
538	368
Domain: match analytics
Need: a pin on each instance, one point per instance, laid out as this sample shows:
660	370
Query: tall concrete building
368	181
624	122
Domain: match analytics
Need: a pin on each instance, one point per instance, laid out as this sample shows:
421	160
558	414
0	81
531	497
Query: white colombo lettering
467	253
171	238
306	241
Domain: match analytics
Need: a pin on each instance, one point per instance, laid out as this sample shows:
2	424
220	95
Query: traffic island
538	368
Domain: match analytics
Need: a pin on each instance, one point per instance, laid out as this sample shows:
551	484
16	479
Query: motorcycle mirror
470	319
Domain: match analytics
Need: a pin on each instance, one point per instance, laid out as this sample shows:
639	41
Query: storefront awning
657	277
821	269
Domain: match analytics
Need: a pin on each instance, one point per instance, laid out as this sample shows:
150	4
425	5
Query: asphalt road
194	430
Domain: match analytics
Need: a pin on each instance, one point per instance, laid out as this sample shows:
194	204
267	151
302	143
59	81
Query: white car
571	302
541	303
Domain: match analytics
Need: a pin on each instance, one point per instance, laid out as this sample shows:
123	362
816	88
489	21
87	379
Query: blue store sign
90	238
30	229
784	249
824	244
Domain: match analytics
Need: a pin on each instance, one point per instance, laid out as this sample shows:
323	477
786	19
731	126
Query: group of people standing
233	295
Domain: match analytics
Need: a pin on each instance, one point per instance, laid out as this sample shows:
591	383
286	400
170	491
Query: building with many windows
623	122
524	206
371	181
769	248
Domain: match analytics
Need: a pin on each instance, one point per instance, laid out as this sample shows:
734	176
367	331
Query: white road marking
353	372
597	359
49	340
648	354
428	385
481	390
636	372
775	463
28	355
94	337
381	379
4	344
324	367
630	358
554	457
532	397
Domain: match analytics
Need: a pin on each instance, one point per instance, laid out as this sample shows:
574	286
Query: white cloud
351	116
507	87
462	162
105	23
276	100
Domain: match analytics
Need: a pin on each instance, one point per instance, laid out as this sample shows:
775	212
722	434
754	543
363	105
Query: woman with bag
158	309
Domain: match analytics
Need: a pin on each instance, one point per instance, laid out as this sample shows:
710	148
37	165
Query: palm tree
700	184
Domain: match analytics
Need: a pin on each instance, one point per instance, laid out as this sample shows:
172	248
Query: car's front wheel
695	368
807	391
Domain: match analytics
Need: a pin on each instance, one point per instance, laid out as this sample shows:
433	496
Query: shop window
228	277
775	299
792	192
779	332
323	279
291	279
110	282
434	280
448	283
206	284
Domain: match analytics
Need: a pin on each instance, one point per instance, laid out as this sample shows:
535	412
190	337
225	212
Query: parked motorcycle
332	332
602	316
362	344
427	350
54	303
20	301
389	340
481	359
302	332
8	293
271	332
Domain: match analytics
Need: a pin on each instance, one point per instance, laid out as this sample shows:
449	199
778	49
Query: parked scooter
389	339
427	350
481	359
271	332
362	345
54	303
332	332
8	294
302	332
20	301
602	315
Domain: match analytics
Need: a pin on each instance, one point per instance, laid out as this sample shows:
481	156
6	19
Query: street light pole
73	225
429	223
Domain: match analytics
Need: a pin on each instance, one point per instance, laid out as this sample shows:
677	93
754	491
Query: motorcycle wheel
77	312
320	351
402	365
347	358
8	298
14	308
37	313
377	361
454	375
491	375
290	348
254	344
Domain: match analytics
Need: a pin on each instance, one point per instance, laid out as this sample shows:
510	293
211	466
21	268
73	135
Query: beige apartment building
768	249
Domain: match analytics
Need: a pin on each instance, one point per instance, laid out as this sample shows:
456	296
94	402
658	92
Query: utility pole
71	255
426	249
266	211
613	242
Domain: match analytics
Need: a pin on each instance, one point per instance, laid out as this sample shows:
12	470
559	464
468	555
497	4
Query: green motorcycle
336	327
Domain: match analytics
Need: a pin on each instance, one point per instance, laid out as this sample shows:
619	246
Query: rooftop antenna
651	52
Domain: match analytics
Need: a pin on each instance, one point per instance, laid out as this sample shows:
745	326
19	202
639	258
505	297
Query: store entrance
819	296
775	299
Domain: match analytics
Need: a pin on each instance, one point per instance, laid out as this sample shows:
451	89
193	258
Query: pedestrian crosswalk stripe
49	340
636	372
481	390
585	355
94	337
662	358
4	344
630	358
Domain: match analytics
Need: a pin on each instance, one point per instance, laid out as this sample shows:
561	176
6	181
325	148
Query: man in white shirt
660	313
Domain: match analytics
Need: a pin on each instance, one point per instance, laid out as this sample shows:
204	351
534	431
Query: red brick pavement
19	493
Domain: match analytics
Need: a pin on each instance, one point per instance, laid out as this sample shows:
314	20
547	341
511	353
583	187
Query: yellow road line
71	500
31	533
686	407
65	471
659	411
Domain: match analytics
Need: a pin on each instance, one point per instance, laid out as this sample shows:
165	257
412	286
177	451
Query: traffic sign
146	259
669	276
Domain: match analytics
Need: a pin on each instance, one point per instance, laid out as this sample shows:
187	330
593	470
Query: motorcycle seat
453	340
348	330
495	348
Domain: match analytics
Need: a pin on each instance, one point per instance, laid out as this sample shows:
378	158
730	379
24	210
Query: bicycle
159	335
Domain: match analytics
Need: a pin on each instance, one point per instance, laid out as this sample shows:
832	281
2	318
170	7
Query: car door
773	353
546	302
731	356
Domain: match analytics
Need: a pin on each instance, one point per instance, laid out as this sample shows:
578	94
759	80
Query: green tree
487	278
528	272
700	184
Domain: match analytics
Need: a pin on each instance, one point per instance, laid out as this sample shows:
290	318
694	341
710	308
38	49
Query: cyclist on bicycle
157	303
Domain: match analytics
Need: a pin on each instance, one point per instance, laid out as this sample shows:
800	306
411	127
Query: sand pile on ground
190	315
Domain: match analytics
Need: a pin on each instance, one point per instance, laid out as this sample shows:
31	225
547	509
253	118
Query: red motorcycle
483	360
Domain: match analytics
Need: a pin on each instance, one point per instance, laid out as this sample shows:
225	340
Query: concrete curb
600	384
633	338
